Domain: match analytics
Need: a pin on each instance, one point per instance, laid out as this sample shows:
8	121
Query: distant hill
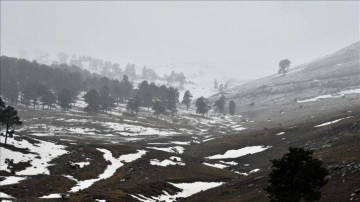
334	72
330	84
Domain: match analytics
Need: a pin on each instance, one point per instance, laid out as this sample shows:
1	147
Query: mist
242	40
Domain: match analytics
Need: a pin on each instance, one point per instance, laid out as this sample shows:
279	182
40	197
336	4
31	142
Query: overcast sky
246	38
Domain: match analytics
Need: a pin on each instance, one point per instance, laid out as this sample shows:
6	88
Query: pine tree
172	100
232	107
9	118
48	98
158	107
202	106
220	104
64	99
126	88
106	101
284	66
92	98
296	176
187	99
133	104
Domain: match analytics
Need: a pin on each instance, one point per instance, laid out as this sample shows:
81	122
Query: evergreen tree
116	91
284	66
158	107
148	100
296	176
202	106
220	104
8	118
64	99
232	107
2	104
126	88
142	91
92	98
187	99
172	100
47	98
133	104
106	101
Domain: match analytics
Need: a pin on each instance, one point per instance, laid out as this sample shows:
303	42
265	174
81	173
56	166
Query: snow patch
188	189
331	122
239	152
176	149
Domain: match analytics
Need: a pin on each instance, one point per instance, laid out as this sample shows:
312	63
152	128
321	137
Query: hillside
315	87
73	155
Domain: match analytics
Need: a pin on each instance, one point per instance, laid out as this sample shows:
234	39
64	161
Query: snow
11	180
3	195
331	122
82	164
176	149
281	133
43	151
246	174
188	189
208	139
109	171
233	163
134	130
216	165
51	196
340	94
239	152
237	128
173	161
180	143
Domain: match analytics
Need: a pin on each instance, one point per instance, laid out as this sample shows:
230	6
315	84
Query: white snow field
239	152
188	189
175	149
42	153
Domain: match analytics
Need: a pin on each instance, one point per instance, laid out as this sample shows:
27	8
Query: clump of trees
65	99
296	176
158	107
284	66
9	119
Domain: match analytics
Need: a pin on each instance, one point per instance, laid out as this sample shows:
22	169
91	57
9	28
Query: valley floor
122	157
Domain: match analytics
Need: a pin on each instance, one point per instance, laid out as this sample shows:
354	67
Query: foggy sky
245	39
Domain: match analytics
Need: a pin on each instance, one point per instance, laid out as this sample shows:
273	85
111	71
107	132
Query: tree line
32	84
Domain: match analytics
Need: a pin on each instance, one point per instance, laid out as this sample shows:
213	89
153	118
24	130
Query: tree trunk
6	133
